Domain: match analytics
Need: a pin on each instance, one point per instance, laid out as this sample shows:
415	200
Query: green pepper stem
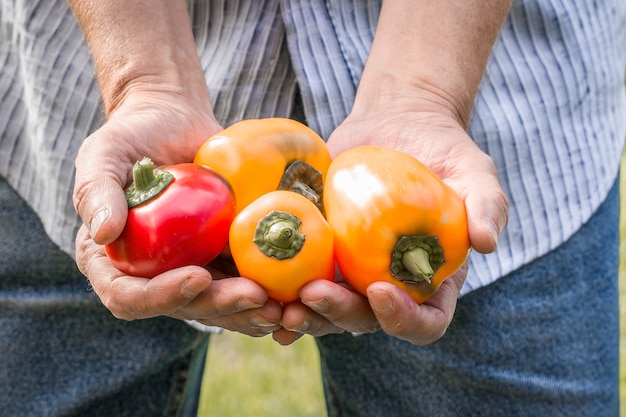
417	262
304	179
278	235
416	258
148	182
305	190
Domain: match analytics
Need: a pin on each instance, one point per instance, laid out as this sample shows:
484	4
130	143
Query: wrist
384	92
431	54
161	73
141	46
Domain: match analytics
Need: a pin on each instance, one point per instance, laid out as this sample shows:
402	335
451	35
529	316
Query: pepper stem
417	262
416	258
278	235
305	180
148	182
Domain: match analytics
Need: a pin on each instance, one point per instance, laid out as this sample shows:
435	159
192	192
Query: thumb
99	197
487	216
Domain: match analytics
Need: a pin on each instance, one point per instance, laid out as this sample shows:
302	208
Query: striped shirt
551	108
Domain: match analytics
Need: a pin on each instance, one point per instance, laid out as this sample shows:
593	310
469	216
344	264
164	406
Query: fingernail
320	306
380	301
261	322
247	304
303	328
492	228
98	219
193	286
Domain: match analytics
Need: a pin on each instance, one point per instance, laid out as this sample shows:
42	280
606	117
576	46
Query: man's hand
442	144
145	125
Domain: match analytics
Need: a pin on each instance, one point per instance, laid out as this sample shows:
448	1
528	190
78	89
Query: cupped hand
168	128
441	143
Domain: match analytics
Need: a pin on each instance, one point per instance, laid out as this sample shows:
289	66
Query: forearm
141	44
435	49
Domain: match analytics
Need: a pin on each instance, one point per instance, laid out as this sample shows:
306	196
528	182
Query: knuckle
503	202
81	195
115	308
111	297
121	311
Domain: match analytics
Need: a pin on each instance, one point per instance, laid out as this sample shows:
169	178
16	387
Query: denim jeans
63	354
542	341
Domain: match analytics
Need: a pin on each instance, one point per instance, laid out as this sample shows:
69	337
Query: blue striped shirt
551	108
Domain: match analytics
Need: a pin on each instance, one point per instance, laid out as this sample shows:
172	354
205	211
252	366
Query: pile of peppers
293	213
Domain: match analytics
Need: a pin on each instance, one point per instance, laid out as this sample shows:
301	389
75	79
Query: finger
341	306
486	205
401	317
99	190
130	297
298	318
487	216
253	322
225	297
285	337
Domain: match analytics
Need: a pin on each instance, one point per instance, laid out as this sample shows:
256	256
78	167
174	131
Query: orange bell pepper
282	241
261	155
394	220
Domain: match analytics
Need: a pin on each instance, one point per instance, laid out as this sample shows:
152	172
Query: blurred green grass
257	377
247	376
